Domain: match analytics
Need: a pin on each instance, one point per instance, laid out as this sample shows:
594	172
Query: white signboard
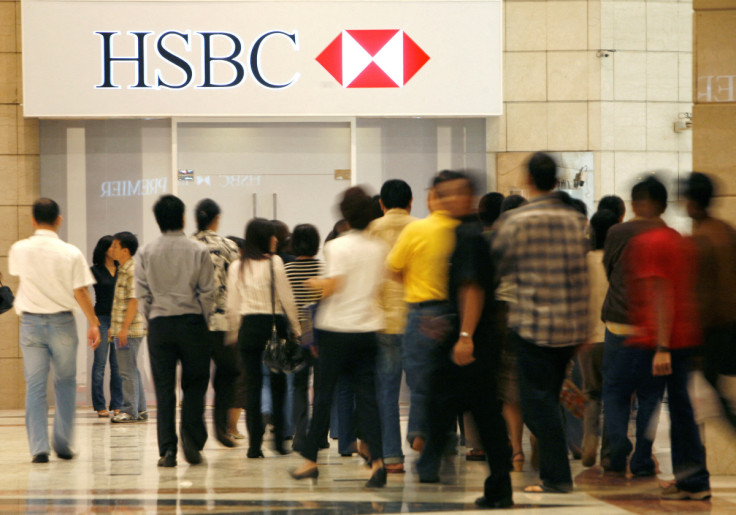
269	58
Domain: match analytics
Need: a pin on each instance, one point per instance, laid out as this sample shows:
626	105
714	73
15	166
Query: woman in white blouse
347	321
249	297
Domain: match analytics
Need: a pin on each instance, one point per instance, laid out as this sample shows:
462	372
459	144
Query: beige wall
19	187
561	96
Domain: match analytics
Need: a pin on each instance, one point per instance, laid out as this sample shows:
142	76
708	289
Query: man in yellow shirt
396	200
421	258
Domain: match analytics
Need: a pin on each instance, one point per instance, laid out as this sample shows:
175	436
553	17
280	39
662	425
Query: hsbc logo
373	58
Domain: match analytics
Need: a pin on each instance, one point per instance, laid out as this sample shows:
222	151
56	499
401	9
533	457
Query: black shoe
429	479
168	459
65	455
309	474
281	450
255	453
191	453
378	479
41	457
644	473
488	504
324	445
225	440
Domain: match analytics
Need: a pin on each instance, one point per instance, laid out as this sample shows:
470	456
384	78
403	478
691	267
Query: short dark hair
355	207
205	212
600	222
653	190
452	175
103	245
127	241
305	240
45	211
169	213
396	193
543	171
512	202
257	241
613	203
489	207
376	211
699	189
281	231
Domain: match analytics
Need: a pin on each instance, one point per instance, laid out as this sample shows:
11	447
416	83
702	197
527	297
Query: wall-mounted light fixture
605	52
684	122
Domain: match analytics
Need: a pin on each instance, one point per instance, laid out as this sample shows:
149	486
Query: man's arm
85	302
662	364
471	299
142	289
130	312
205	289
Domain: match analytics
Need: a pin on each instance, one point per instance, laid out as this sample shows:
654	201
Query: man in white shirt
54	277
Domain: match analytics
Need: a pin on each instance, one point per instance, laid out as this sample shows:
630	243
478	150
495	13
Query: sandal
103	413
544	489
517	461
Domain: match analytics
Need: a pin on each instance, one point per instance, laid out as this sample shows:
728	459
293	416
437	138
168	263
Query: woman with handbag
347	322
259	293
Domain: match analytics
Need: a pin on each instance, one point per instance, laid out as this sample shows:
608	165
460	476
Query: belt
47	314
426	304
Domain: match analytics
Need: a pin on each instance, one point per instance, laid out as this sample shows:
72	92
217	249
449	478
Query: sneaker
123	418
41	457
672	493
143	415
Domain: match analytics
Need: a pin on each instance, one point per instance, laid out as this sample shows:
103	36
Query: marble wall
563	94
19	187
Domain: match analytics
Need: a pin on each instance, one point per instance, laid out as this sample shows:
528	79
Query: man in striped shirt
541	248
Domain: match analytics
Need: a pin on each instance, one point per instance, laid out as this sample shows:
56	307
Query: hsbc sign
275	58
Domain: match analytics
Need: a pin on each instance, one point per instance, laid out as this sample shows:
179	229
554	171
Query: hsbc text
188	72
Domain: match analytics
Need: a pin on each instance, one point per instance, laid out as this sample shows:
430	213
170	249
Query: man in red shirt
660	266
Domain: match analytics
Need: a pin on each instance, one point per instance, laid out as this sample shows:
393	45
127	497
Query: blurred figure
396	200
649	199
347	321
421	259
105	269
590	356
222	253
465	378
715	241
660	276
341	227
489	208
542	247
614	204
305	245
512	202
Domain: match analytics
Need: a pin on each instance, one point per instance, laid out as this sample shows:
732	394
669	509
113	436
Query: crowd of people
483	309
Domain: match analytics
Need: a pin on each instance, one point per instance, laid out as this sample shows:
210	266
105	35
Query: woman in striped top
305	244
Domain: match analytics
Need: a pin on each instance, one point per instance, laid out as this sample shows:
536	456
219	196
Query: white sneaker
122	418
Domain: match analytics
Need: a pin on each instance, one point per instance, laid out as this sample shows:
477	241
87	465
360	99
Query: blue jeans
267	400
47	340
134	395
98	371
388	384
628	370
426	329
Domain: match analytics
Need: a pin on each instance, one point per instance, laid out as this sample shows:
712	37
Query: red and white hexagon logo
373	58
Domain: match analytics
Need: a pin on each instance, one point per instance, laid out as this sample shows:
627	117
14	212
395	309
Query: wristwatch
662	348
465	334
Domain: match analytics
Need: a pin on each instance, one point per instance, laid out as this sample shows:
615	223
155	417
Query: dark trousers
720	359
185	339
354	355
300	410
227	370
470	388
628	370
255	331
688	453
541	373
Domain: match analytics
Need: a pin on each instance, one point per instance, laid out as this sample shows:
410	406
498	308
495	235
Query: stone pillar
19	187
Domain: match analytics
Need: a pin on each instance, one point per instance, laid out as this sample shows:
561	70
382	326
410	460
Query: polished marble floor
115	471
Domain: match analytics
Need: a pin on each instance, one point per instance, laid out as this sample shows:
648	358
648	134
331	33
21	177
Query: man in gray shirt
175	288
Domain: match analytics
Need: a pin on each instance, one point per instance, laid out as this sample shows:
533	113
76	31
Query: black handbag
282	354
6	298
